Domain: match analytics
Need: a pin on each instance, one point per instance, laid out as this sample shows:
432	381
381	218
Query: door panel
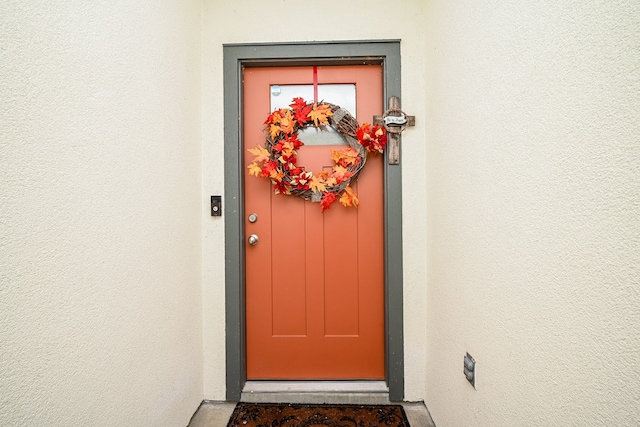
314	281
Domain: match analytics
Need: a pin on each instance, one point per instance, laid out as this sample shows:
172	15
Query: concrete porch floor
217	414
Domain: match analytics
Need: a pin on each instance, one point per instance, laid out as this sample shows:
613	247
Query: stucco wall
521	204
533	160
100	158
280	21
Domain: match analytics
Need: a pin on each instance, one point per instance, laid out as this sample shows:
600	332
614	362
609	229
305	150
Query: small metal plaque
395	120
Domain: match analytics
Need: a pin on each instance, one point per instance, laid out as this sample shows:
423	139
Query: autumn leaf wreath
278	160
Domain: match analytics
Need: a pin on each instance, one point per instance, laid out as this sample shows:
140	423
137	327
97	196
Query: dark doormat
298	415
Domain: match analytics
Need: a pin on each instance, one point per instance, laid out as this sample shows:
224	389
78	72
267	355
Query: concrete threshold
352	392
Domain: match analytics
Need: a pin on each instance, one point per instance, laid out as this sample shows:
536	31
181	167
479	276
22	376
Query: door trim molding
236	58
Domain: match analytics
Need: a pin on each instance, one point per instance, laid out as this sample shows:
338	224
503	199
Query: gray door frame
236	58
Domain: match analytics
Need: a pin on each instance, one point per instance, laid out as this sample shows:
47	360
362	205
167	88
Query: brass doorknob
253	240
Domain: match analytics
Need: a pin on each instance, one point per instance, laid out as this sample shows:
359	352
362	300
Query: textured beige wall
245	21
100	213
533	160
520	211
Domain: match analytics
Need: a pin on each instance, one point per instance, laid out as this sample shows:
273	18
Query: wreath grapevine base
278	161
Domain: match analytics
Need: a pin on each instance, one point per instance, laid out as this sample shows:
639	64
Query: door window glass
343	95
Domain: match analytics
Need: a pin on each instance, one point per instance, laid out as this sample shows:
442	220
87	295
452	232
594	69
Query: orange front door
314	281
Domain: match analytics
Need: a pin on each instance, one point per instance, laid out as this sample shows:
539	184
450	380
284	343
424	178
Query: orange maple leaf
276	175
254	169
274	117
349	198
340	173
317	185
326	177
274	130
288	149
287	121
331	181
261	154
320	114
346	157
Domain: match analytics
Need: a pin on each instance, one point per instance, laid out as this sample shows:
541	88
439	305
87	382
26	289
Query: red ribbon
315	84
